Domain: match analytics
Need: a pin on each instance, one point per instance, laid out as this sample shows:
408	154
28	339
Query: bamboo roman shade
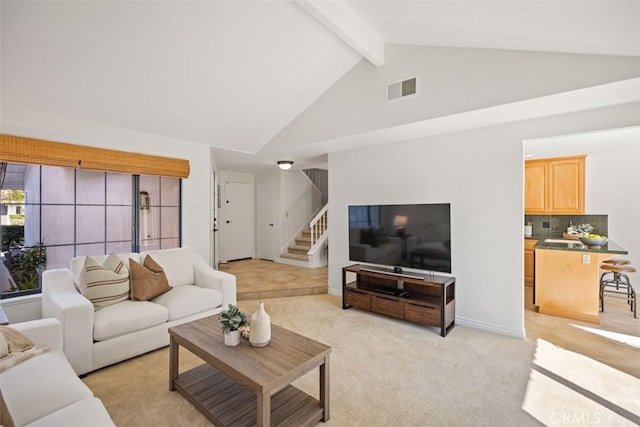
17	149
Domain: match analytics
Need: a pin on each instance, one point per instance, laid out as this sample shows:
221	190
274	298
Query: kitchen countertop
577	246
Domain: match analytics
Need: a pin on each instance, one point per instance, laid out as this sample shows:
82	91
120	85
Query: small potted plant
231	320
584	229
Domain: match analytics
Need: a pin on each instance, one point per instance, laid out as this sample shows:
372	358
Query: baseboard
281	293
489	327
336	292
294	262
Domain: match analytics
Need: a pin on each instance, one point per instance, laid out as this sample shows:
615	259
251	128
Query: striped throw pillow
104	284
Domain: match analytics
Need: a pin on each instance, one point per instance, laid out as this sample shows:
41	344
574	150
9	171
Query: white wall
614	189
480	173
196	194
299	199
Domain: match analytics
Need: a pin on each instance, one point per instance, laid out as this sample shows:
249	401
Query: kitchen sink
566	241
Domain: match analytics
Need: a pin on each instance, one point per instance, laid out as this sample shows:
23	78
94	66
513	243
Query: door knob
271	225
228	222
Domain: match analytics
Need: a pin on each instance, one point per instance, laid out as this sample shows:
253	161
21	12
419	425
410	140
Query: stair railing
318	225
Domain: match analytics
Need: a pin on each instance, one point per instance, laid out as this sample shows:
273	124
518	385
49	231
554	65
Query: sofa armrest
61	300
207	277
44	332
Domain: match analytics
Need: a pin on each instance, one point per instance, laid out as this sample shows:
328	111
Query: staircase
300	249
308	247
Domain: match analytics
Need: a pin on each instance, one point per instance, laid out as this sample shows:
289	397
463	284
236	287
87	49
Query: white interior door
238	223
266	220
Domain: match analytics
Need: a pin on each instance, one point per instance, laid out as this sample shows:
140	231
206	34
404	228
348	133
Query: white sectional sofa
44	391
95	339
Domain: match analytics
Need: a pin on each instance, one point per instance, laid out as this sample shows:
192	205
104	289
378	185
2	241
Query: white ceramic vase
232	338
260	331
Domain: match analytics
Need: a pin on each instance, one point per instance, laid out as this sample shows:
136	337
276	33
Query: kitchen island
567	278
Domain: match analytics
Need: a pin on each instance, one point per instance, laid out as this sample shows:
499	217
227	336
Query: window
72	212
364	217
159	209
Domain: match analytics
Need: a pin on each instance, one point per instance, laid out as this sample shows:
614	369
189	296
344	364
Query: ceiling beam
340	20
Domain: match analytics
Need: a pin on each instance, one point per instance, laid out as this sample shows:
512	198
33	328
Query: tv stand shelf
430	300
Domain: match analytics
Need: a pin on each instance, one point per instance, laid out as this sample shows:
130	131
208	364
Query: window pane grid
74	212
159	216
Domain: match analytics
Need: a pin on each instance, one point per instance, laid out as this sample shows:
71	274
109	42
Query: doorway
237	226
266	220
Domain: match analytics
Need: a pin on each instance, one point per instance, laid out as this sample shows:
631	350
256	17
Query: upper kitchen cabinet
554	186
535	186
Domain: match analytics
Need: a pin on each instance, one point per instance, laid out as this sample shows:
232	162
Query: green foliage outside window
26	266
29	266
12	196
11	234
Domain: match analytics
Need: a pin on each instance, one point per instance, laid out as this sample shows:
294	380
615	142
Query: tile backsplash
558	224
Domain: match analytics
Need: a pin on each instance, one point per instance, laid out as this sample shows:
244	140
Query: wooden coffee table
245	385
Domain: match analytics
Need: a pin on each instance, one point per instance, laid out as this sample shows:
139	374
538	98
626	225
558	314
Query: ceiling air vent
398	90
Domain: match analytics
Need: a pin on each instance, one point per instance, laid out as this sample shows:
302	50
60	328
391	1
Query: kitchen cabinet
529	272
535	186
554	186
568	278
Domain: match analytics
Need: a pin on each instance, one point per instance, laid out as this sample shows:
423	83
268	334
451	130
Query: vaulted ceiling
233	74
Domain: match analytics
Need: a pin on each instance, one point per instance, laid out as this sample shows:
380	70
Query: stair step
298	249
308	235
304	247
279	293
295	256
303	241
308	230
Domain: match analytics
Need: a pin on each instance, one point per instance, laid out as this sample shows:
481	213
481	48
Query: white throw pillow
176	263
104	284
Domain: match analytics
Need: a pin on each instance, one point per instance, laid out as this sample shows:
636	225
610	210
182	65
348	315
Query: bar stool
619	283
616	261
614	274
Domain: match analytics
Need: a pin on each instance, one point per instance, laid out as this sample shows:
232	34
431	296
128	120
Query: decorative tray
570	236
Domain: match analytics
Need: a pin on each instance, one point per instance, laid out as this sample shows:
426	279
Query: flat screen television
412	235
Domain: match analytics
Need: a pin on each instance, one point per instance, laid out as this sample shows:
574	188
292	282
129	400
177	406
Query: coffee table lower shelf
228	403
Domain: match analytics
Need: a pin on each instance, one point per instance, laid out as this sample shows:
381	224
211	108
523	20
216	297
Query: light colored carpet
386	372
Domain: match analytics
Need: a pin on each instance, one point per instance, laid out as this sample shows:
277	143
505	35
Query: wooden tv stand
431	300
